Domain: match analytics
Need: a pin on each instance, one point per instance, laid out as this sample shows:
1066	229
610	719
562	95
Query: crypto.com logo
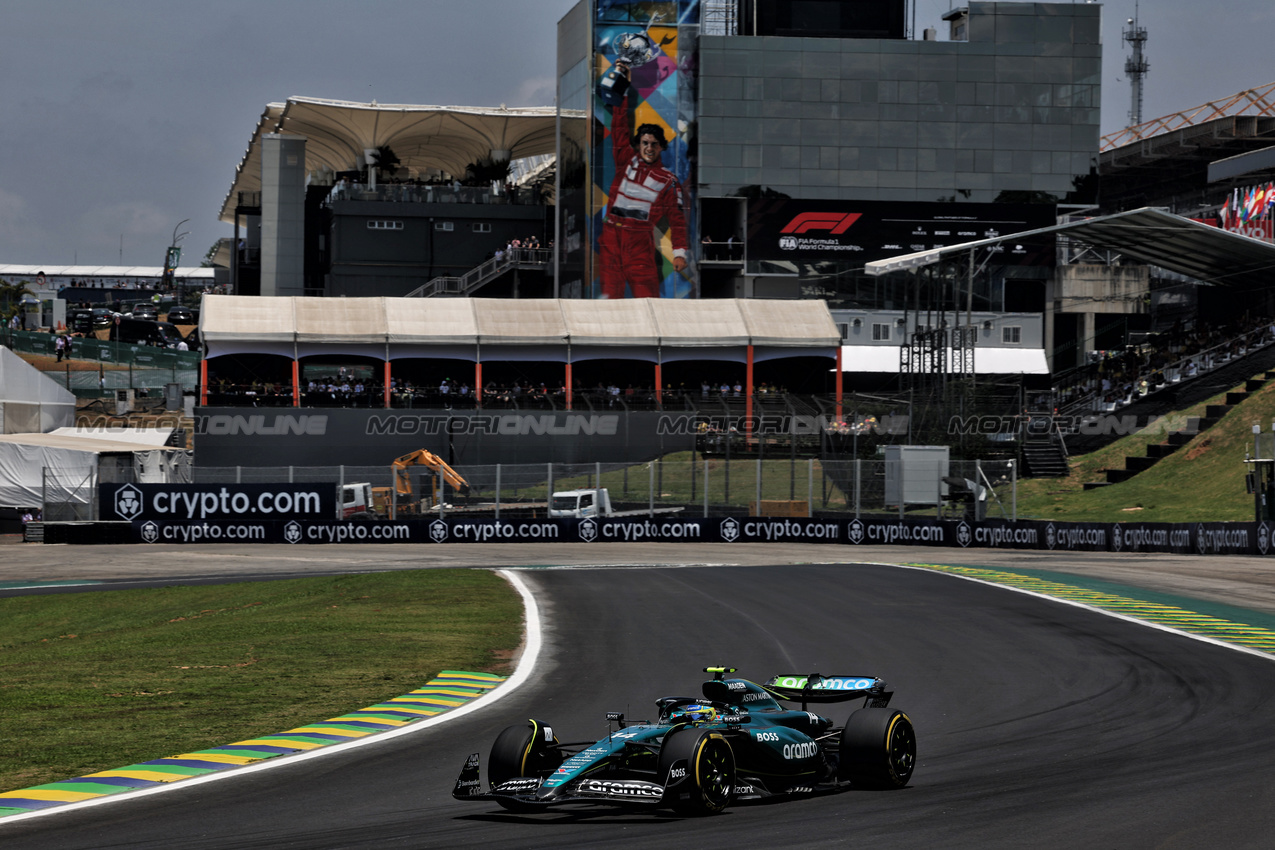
128	501
730	529
834	223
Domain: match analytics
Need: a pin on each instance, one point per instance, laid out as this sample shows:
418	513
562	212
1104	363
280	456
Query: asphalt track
1039	724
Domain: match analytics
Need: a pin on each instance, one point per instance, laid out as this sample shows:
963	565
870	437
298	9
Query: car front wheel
698	768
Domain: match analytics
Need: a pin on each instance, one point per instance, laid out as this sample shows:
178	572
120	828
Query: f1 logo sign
834	223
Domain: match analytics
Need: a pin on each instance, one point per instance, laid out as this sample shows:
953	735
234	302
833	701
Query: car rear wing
816	688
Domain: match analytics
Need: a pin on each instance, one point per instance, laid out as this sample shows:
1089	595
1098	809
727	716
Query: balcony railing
435	193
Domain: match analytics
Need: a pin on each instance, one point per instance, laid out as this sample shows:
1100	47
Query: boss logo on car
767	736
801	751
677	773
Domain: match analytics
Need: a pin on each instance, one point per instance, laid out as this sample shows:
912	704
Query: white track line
526	664
1126	617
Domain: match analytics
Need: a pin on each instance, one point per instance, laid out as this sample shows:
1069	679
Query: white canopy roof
446	138
27	271
153	437
274	324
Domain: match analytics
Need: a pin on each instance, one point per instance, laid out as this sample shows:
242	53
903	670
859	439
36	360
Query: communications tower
1136	66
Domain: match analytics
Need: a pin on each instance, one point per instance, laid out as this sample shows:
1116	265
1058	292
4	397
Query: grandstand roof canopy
445	138
27	271
1147	235
274	324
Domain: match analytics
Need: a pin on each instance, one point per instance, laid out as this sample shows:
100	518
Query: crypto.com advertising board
203	502
641	212
1215	538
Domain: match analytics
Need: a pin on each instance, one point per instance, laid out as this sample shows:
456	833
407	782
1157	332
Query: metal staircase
447	286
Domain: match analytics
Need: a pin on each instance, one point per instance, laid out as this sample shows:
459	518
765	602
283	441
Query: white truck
592	503
357	502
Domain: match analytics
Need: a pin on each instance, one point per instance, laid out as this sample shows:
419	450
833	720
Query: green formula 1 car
736	742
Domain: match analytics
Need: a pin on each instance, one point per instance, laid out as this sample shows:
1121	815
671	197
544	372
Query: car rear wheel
707	784
878	748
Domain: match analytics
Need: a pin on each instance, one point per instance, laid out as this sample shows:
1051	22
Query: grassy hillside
1202	481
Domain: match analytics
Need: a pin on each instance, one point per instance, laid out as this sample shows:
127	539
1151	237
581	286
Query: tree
387	161
484	171
11	296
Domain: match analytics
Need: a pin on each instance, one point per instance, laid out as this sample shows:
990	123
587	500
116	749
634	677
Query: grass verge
1201	482
92	681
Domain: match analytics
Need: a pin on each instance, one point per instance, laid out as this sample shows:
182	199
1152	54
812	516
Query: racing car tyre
878	748
523	750
709	782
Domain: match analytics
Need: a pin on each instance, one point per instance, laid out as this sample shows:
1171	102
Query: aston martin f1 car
700	754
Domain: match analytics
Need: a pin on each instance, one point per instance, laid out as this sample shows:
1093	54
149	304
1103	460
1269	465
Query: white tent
31	403
61	472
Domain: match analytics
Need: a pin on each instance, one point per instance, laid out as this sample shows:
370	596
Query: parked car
144	310
180	316
80	321
102	318
146	332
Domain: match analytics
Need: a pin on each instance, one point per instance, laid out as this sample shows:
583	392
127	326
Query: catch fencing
119	365
712	487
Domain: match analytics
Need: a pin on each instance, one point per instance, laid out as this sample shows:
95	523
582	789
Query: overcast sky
120	118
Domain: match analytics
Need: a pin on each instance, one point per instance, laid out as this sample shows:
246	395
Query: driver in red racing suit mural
643	193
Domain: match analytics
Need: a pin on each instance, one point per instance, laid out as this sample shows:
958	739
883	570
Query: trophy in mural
632	49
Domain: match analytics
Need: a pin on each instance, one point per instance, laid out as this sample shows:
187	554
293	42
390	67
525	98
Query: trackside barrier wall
699	486
1208	538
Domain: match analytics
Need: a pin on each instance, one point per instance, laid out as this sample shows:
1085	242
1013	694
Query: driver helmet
695	714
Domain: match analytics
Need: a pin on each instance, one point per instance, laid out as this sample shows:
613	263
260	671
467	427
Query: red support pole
386	385
748	402
478	384
569	388
296	384
659	385
203	383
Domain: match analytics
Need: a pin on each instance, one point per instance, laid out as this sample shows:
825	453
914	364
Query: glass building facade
1015	108
1000	116
1004	113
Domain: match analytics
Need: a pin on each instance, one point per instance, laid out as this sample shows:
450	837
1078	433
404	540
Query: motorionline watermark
1088	425
112	424
699	424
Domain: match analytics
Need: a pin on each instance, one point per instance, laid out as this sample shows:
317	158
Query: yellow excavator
426	458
